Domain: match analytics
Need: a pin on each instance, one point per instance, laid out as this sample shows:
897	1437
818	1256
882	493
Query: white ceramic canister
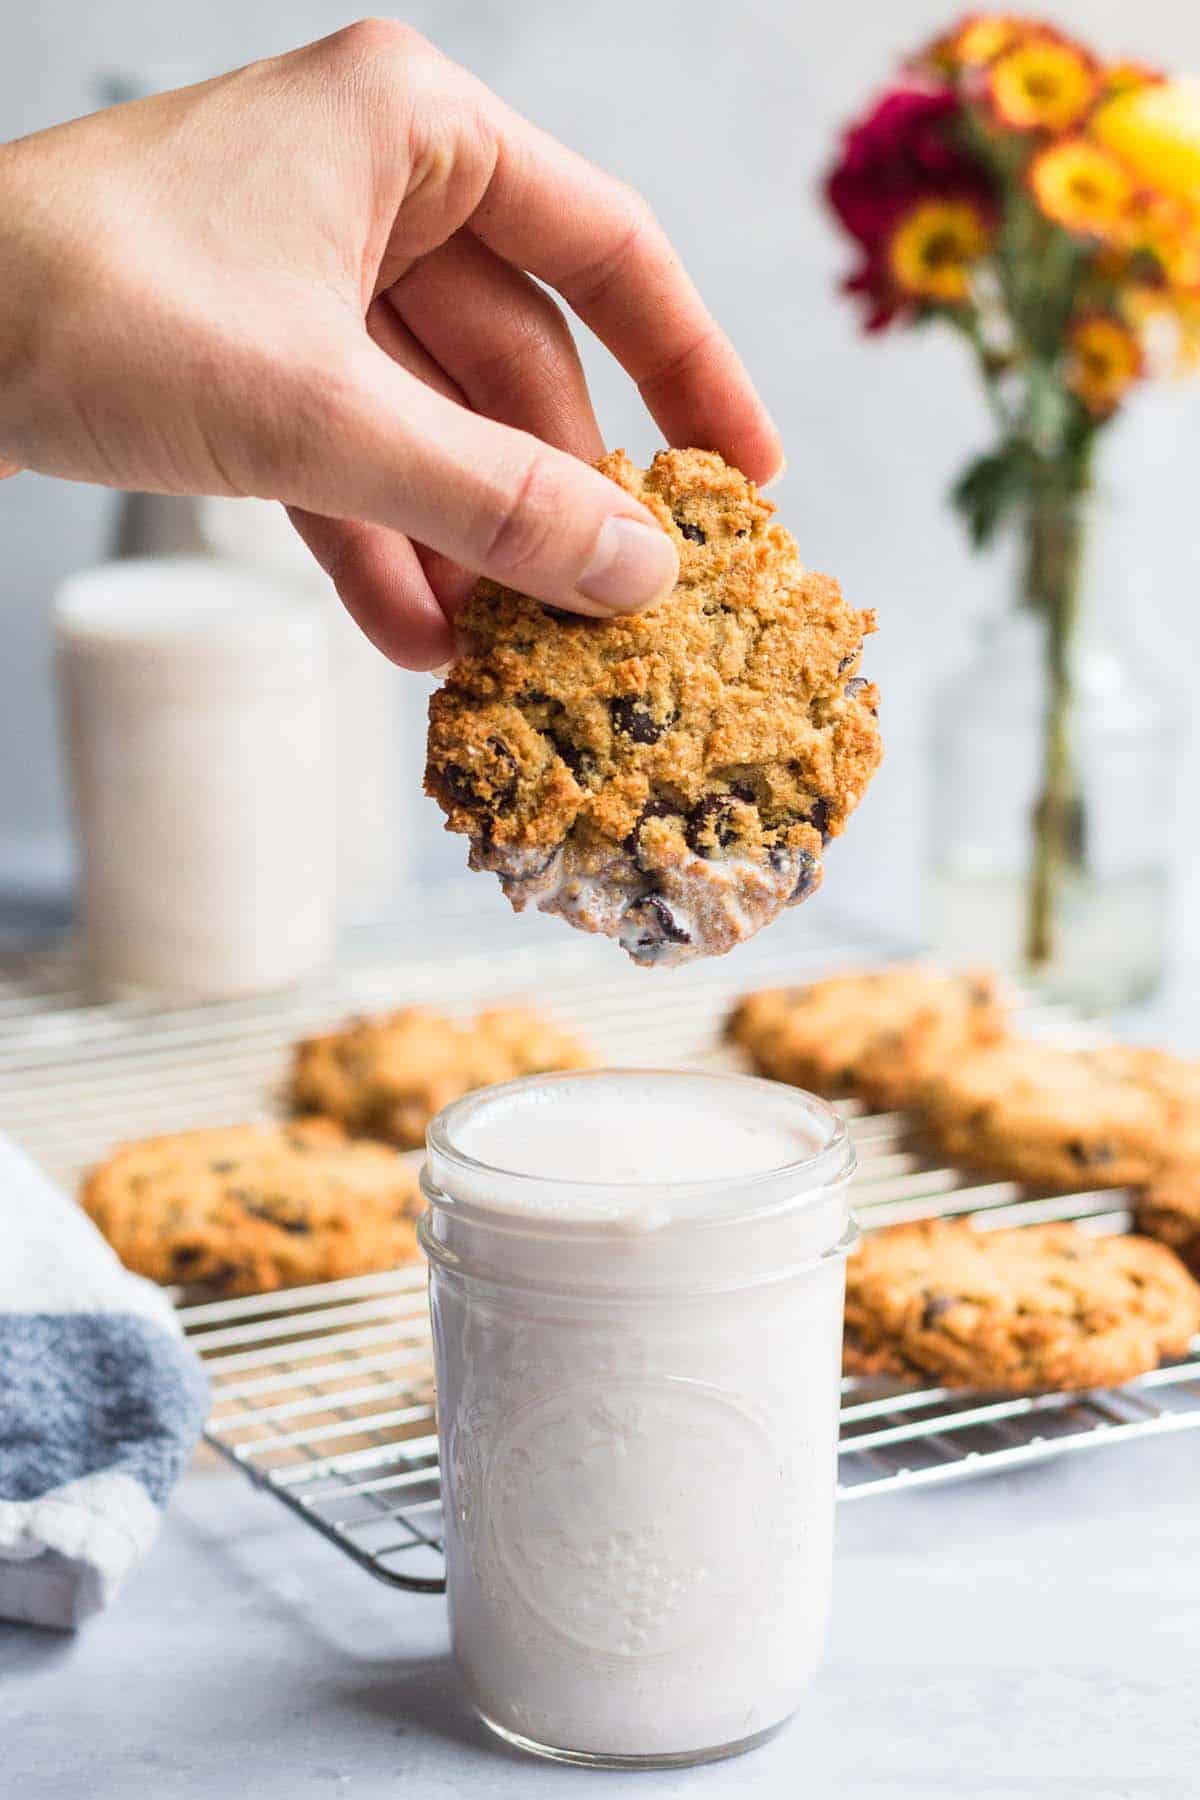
198	714
637	1282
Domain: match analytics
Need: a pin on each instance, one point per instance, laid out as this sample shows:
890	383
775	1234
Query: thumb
383	448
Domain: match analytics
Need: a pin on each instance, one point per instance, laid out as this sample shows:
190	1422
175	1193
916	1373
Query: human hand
310	280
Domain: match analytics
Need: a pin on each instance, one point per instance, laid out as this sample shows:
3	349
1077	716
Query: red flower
905	150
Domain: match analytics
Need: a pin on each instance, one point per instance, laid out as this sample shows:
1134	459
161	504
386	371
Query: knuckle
639	217
374	40
376	53
527	519
634	233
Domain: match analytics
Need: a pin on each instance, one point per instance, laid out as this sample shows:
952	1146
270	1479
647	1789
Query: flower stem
1053	557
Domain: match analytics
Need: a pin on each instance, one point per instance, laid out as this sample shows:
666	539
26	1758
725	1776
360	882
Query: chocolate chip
819	818
579	760
693	533
457	782
258	1209
484	790
808	878
849	659
633	718
184	1258
935	1306
657	924
653	809
711	824
1090	1155
854	688
504	787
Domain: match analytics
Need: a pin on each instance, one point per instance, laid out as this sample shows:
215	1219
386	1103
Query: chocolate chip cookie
386	1076
877	1034
669	779
246	1208
1066	1118
1042	1306
1169	1208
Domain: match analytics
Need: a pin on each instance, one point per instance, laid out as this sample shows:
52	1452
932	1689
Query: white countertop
1030	1634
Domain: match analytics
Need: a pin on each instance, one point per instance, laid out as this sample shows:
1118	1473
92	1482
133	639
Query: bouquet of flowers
1045	204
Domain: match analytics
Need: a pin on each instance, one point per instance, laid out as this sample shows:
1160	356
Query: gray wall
724	116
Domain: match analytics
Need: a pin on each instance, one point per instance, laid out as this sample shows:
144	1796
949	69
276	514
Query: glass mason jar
638	1390
1104	919
196	702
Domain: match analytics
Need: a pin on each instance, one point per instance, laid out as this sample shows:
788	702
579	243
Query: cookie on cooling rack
1169	1208
668	779
386	1076
878	1034
246	1208
1067	1118
1041	1306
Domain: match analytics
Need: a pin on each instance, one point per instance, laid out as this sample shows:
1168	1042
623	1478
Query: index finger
598	243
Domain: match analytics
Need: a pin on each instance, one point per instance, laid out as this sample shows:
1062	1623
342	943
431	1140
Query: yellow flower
1156	130
1046	84
1187	329
980	38
933	246
1082	186
1168	326
1103	360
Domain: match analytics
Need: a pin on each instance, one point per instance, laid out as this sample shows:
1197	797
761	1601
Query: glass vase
1079	907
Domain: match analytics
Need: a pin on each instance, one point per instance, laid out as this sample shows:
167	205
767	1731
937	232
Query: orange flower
932	248
1125	76
1169	231
1081	186
978	39
1045	84
1103	360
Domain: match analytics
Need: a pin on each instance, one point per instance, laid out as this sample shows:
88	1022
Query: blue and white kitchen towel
100	1405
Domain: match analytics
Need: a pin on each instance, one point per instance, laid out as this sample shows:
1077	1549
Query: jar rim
787	1185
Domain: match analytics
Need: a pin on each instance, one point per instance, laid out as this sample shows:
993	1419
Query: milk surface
634	1128
636	1285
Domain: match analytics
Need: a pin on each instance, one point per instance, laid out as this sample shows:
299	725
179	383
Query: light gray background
725	116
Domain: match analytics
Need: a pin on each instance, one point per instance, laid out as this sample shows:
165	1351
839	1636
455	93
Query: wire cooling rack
324	1395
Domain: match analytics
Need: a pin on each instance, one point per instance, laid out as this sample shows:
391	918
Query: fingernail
631	565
